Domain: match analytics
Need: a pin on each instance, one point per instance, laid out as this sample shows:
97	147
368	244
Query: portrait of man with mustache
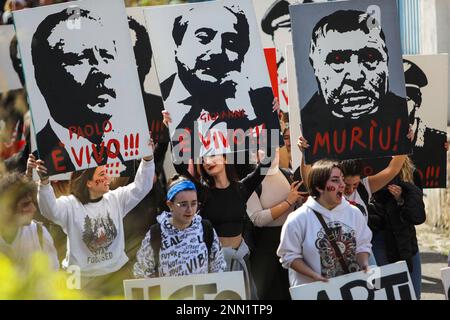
75	75
209	80
349	55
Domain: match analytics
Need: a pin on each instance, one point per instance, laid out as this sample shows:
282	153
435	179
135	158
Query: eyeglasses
185	205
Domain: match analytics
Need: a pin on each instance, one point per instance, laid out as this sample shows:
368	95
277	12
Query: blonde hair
407	171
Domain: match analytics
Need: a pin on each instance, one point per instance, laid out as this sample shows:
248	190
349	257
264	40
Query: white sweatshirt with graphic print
95	237
182	252
303	237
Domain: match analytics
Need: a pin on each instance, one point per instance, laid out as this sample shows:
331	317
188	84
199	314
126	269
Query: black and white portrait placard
213	76
350	79
10	71
148	79
426	79
82	84
275	30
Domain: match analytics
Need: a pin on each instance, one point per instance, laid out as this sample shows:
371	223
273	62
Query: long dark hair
209	181
78	184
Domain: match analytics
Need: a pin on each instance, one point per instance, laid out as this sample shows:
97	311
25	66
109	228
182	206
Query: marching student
309	247
181	242
92	217
224	199
393	214
268	208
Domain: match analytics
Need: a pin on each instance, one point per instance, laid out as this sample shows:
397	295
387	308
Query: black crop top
226	208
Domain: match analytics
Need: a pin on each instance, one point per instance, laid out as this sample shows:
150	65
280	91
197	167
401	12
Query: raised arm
254	179
261	217
130	195
382	178
302	144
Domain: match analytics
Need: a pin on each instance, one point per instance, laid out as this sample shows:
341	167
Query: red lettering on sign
321	140
356	137
57	158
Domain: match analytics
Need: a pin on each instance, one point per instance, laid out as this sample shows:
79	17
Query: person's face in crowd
214	165
210	49
352	71
86	66
287	139
331	196
351	184
25	211
184	207
99	184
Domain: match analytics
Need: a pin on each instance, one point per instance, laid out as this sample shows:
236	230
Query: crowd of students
274	224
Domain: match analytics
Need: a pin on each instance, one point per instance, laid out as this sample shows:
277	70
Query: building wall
434	32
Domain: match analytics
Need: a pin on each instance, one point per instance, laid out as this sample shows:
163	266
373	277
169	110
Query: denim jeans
379	250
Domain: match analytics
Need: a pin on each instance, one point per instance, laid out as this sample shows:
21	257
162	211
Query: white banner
390	282
82	84
213	76
445	275
211	286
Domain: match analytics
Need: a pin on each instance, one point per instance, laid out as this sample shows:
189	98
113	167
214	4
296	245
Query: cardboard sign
350	79
445	275
211	286
390	282
147	75
275	30
271	60
426	79
213	78
82	84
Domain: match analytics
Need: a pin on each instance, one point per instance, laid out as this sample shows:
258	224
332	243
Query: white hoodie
303	237
95	237
182	252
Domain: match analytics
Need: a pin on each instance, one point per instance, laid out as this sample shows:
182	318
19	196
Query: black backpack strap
332	240
155	242
40	233
258	190
363	193
208	234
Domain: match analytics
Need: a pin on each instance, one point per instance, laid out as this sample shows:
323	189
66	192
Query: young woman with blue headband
181	237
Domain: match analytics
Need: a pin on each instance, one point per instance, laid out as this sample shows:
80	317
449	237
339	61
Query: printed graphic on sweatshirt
187	248
345	239
98	234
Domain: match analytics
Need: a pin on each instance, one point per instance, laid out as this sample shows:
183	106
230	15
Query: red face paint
331	188
100	181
